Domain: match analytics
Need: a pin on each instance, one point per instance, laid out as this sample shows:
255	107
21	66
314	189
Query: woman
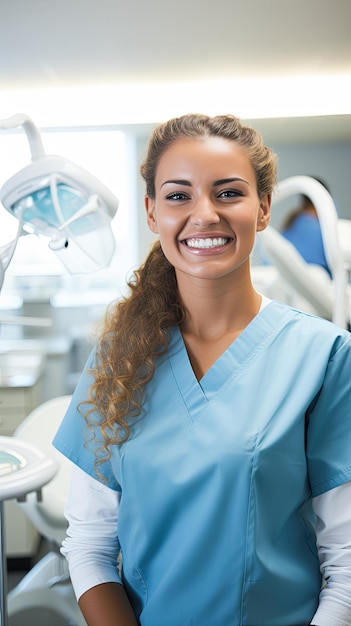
210	431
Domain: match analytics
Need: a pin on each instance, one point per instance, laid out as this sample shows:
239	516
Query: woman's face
206	208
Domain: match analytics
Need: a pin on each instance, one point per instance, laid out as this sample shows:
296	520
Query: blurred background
96	77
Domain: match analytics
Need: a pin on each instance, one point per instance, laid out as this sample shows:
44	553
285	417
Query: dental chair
310	286
47	585
300	284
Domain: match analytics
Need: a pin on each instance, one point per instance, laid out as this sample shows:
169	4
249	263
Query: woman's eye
230	193
177	195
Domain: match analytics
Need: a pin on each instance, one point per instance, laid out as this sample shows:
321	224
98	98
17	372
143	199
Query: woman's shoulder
297	320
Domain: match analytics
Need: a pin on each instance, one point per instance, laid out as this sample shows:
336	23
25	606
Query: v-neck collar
198	393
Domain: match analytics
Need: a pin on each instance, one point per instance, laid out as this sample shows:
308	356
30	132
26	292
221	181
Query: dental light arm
33	135
58	199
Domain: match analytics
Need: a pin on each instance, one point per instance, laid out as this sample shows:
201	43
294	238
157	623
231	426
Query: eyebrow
177	182
217	183
224	181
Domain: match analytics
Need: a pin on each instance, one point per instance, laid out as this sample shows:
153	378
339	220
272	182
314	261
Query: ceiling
56	43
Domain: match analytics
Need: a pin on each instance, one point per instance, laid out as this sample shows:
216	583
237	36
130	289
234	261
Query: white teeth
206	243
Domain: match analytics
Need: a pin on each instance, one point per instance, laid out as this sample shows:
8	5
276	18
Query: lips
206	243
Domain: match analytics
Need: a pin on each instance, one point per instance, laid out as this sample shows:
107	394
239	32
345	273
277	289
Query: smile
205	244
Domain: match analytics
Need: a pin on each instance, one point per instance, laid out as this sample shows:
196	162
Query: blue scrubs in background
305	234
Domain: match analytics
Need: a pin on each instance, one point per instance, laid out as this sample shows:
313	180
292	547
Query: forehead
208	156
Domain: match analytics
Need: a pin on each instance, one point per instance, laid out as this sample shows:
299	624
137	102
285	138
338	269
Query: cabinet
20	393
15	404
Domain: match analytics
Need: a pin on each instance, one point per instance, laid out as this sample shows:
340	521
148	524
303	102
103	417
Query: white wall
331	162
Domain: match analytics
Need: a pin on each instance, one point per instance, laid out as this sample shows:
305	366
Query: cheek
245	229
247	221
170	223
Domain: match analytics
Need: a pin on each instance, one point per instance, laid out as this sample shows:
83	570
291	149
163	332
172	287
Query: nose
204	213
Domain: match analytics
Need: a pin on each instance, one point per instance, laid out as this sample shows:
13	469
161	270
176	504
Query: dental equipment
23	469
56	198
303	281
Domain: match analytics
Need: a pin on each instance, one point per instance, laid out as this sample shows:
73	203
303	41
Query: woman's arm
333	510
91	548
107	605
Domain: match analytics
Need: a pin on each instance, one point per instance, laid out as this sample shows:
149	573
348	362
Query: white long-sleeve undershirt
92	548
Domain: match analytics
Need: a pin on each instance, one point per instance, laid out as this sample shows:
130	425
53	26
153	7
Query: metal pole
3	569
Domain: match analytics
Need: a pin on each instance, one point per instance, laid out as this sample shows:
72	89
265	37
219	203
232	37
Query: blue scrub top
216	524
306	235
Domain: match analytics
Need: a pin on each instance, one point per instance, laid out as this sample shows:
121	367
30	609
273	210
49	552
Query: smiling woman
212	214
210	430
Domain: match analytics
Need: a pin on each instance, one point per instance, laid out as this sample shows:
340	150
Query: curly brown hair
135	330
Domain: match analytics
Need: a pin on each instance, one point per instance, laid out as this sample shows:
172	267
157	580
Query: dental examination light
58	199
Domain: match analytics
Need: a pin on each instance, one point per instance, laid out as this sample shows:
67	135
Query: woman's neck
214	308
214	318
208	333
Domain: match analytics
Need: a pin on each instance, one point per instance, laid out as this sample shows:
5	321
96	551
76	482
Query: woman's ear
150	214
264	212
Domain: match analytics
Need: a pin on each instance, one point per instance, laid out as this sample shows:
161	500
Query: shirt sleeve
91	546
333	510
329	424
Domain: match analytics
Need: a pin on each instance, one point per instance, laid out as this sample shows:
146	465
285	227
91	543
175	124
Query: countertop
20	369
